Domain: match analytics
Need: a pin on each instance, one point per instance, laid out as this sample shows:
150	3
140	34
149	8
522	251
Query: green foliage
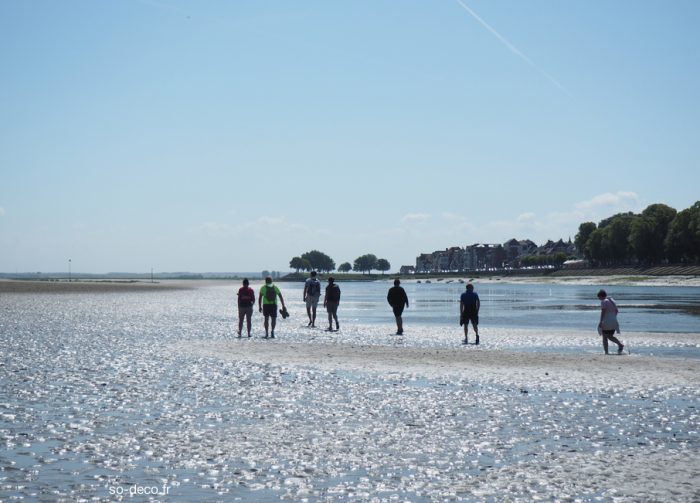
319	261
383	265
682	243
298	263
649	232
581	241
555	259
345	267
365	263
658	235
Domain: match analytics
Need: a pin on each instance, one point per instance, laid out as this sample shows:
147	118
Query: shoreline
82	286
114	285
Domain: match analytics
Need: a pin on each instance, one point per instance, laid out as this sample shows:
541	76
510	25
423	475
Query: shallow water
95	407
642	308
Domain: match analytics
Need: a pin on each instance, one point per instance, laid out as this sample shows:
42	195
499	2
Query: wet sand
14	286
467	362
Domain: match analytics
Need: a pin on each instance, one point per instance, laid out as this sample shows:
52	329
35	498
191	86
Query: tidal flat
149	395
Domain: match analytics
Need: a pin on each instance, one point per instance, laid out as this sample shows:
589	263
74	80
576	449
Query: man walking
331	301
397	299
469	305
267	304
312	293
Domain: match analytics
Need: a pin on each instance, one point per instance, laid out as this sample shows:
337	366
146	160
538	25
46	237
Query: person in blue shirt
469	305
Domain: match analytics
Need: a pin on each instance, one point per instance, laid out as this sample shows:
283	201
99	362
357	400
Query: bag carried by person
246	297
270	293
314	289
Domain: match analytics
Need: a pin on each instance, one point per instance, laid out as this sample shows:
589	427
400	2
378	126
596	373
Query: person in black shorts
331	301
469	305
267	304
397	299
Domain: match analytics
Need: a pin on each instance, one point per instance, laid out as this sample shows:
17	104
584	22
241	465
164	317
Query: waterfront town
483	256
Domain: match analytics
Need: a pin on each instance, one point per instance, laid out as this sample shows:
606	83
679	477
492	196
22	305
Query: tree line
315	260
658	235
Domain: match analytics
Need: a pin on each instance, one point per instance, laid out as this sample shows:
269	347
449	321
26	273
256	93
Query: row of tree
315	260
555	259
658	235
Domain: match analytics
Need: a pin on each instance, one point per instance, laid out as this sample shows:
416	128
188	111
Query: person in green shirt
267	304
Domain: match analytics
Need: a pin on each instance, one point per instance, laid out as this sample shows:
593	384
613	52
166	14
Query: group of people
469	306
269	292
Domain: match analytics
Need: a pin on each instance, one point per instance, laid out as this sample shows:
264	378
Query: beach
112	394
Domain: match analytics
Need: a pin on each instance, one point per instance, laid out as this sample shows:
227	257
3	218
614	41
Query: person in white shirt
608	324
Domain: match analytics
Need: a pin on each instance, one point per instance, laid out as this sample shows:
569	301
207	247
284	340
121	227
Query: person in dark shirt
397	299
246	301
469	305
331	301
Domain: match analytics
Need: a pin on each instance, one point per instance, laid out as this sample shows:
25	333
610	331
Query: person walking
331	300
312	293
246	301
397	299
469	305
608	324
267	304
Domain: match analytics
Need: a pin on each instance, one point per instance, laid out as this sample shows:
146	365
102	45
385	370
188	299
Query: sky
234	135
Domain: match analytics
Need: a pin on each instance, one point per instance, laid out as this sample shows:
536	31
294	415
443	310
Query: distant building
489	255
407	269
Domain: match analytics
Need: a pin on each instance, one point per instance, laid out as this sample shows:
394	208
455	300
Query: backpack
246	298
270	293
314	289
333	294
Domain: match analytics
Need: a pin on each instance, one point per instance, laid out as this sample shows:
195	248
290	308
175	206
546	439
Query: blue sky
234	135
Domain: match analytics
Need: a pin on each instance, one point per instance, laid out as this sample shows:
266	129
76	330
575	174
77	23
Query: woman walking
608	324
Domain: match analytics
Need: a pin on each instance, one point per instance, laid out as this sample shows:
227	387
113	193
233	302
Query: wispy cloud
261	225
2	211
526	217
412	218
621	200
511	47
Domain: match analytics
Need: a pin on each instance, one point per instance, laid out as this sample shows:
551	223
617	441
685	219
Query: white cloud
214	228
526	217
412	218
622	201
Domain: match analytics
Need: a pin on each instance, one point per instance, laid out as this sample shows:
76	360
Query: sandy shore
544	369
13	286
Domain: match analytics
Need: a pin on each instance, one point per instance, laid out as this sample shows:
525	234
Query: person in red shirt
246	301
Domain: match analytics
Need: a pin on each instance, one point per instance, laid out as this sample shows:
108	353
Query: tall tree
383	265
366	263
584	234
615	243
682	242
319	261
298	263
345	267
648	233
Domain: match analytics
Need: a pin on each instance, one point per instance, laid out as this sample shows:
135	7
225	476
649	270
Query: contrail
511	47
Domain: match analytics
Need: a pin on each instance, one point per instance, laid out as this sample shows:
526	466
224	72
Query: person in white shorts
312	293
